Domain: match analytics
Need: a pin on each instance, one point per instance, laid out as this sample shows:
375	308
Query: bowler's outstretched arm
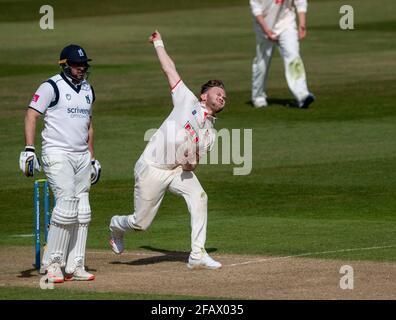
167	64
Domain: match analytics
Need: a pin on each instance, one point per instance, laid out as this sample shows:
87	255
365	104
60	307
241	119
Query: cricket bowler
170	158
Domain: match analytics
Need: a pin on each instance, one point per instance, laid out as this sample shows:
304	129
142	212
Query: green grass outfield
323	179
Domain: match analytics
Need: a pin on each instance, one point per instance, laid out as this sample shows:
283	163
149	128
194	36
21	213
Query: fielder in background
68	160
171	156
275	24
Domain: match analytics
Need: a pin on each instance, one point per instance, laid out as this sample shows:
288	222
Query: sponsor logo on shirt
78	112
191	131
35	98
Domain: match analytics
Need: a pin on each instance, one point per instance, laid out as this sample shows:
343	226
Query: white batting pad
65	211
84	209
77	246
58	242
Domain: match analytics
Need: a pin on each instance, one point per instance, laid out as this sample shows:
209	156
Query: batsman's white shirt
188	123
278	14
68	110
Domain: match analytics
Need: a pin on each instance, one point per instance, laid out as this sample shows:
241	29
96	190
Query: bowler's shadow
167	256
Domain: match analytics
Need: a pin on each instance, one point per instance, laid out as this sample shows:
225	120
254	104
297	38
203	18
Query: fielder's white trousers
69	177
294	68
150	185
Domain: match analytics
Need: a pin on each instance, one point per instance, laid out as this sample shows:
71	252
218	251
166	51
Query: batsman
170	158
69	164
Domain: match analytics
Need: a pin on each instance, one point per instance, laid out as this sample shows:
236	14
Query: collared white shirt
278	14
189	124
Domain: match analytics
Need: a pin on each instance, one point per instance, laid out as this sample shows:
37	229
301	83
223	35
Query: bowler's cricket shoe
307	101
54	273
80	274
206	262
117	242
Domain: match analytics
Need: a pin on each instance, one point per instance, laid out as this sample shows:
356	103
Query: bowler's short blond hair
212	83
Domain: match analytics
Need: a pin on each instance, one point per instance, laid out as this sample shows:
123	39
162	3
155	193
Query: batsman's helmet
73	54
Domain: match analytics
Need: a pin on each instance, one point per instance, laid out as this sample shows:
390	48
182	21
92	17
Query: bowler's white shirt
188	122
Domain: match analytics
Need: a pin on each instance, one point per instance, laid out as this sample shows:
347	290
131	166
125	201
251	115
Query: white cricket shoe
54	273
116	242
80	274
206	262
260	102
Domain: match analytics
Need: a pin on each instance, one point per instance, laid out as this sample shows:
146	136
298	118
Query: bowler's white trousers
151	183
294	68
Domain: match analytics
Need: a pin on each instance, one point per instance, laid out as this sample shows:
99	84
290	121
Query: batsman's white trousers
150	185
294	68
69	176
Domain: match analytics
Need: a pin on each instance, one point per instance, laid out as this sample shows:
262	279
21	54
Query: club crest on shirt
85	86
68	96
88	99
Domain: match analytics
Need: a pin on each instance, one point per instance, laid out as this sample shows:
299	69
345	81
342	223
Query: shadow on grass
289	103
29	273
167	256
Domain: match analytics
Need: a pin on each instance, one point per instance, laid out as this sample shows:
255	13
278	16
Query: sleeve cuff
30	107
172	89
301	9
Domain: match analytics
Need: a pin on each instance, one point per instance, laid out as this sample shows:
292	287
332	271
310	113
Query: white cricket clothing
289	49
151	183
158	169
278	14
69	177
188	125
68	110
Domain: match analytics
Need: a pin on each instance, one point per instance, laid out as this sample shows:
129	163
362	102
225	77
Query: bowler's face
215	99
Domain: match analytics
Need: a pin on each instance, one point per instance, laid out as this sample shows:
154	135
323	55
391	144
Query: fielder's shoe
206	262
260	102
54	273
117	242
307	101
80	274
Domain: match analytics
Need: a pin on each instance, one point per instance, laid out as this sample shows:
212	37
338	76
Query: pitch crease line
307	254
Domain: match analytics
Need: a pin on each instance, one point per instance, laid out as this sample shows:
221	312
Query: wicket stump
37	201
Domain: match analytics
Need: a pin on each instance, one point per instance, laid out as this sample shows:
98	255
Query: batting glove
95	171
28	161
